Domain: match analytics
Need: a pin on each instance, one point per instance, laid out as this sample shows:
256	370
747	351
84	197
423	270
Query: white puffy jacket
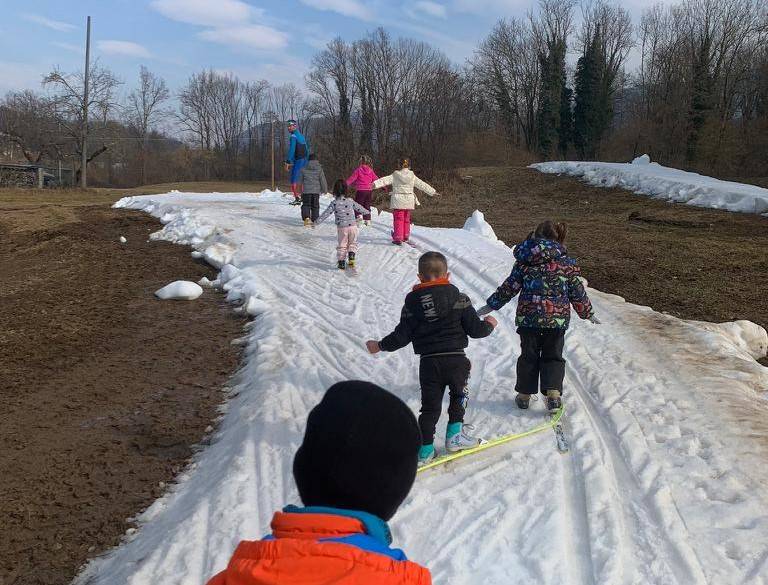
403	182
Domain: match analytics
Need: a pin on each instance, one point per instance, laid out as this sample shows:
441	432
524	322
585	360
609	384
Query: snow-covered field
649	178
665	483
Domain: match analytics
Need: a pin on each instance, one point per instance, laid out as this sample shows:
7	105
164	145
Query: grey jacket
313	177
344	208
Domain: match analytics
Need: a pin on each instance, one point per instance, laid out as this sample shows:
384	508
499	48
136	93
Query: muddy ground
105	391
687	261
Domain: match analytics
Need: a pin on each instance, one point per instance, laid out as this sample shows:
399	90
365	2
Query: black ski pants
541	360
310	206
435	373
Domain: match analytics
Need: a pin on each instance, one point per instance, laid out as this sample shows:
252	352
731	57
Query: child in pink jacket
362	181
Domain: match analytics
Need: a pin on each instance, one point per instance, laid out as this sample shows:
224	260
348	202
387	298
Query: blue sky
266	39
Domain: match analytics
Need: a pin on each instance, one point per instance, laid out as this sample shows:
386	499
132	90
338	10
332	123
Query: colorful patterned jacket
548	282
322	546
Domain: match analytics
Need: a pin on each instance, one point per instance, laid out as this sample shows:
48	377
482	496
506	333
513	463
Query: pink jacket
362	179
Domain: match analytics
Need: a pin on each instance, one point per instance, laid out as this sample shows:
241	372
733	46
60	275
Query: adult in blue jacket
298	154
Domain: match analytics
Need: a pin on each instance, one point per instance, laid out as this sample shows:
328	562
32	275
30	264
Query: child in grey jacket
346	225
313	178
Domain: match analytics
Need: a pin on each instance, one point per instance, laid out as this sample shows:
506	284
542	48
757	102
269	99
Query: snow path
664	483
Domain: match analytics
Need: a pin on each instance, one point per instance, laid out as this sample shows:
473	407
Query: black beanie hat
360	450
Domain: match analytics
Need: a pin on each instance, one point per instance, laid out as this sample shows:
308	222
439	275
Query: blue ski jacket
298	149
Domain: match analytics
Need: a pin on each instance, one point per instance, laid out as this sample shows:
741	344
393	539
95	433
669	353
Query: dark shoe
351	259
554	402
396	243
342	264
523	401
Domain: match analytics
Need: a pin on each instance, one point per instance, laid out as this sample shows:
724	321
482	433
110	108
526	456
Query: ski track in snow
664	483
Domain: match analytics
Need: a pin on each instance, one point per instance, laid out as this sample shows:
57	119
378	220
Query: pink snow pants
401	225
347	241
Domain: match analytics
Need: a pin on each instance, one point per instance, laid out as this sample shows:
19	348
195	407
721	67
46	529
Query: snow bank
647	178
748	337
476	224
180	290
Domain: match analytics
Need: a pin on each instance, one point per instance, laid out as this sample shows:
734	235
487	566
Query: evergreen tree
589	115
565	132
549	112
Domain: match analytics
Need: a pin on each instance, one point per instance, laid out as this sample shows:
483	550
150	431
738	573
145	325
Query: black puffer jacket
436	318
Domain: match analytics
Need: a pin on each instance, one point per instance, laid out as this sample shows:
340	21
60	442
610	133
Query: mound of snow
476	224
646	178
744	335
182	290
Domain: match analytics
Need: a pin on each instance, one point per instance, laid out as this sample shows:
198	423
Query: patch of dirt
105	390
690	262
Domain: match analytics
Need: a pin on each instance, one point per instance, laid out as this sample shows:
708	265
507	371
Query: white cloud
431	9
351	8
19	76
123	48
254	36
492	7
80	49
215	13
48	23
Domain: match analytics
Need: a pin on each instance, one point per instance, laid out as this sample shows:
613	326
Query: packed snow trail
664	483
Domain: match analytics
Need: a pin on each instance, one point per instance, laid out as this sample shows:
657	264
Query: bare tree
27	120
70	107
145	109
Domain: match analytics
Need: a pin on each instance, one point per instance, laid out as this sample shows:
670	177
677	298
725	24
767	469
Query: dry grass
17	198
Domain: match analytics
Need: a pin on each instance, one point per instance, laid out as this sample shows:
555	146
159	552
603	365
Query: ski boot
457	439
426	454
342	265
351	260
554	402
295	201
307	222
523	401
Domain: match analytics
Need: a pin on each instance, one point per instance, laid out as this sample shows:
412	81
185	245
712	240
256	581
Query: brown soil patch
690	262
105	390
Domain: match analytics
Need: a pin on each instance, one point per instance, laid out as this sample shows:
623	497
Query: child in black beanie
352	473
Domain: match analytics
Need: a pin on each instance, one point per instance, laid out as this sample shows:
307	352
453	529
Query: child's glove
484	310
595	320
373	346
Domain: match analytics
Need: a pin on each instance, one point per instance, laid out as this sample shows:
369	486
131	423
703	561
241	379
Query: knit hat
360	450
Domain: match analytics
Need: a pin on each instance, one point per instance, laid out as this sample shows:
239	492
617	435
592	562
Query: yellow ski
550	424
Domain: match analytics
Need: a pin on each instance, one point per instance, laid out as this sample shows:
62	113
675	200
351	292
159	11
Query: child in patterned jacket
344	209
548	282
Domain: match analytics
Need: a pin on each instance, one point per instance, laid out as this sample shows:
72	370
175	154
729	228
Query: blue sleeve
292	150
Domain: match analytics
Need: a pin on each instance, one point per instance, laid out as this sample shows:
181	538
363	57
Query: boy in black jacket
437	319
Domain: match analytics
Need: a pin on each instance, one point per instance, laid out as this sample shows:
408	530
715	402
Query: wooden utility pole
84	155
273	151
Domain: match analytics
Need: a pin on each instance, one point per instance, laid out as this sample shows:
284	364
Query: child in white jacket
403	200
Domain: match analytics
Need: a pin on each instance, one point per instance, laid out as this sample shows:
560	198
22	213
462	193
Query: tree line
687	84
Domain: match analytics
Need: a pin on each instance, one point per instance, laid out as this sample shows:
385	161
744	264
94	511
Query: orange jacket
328	548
